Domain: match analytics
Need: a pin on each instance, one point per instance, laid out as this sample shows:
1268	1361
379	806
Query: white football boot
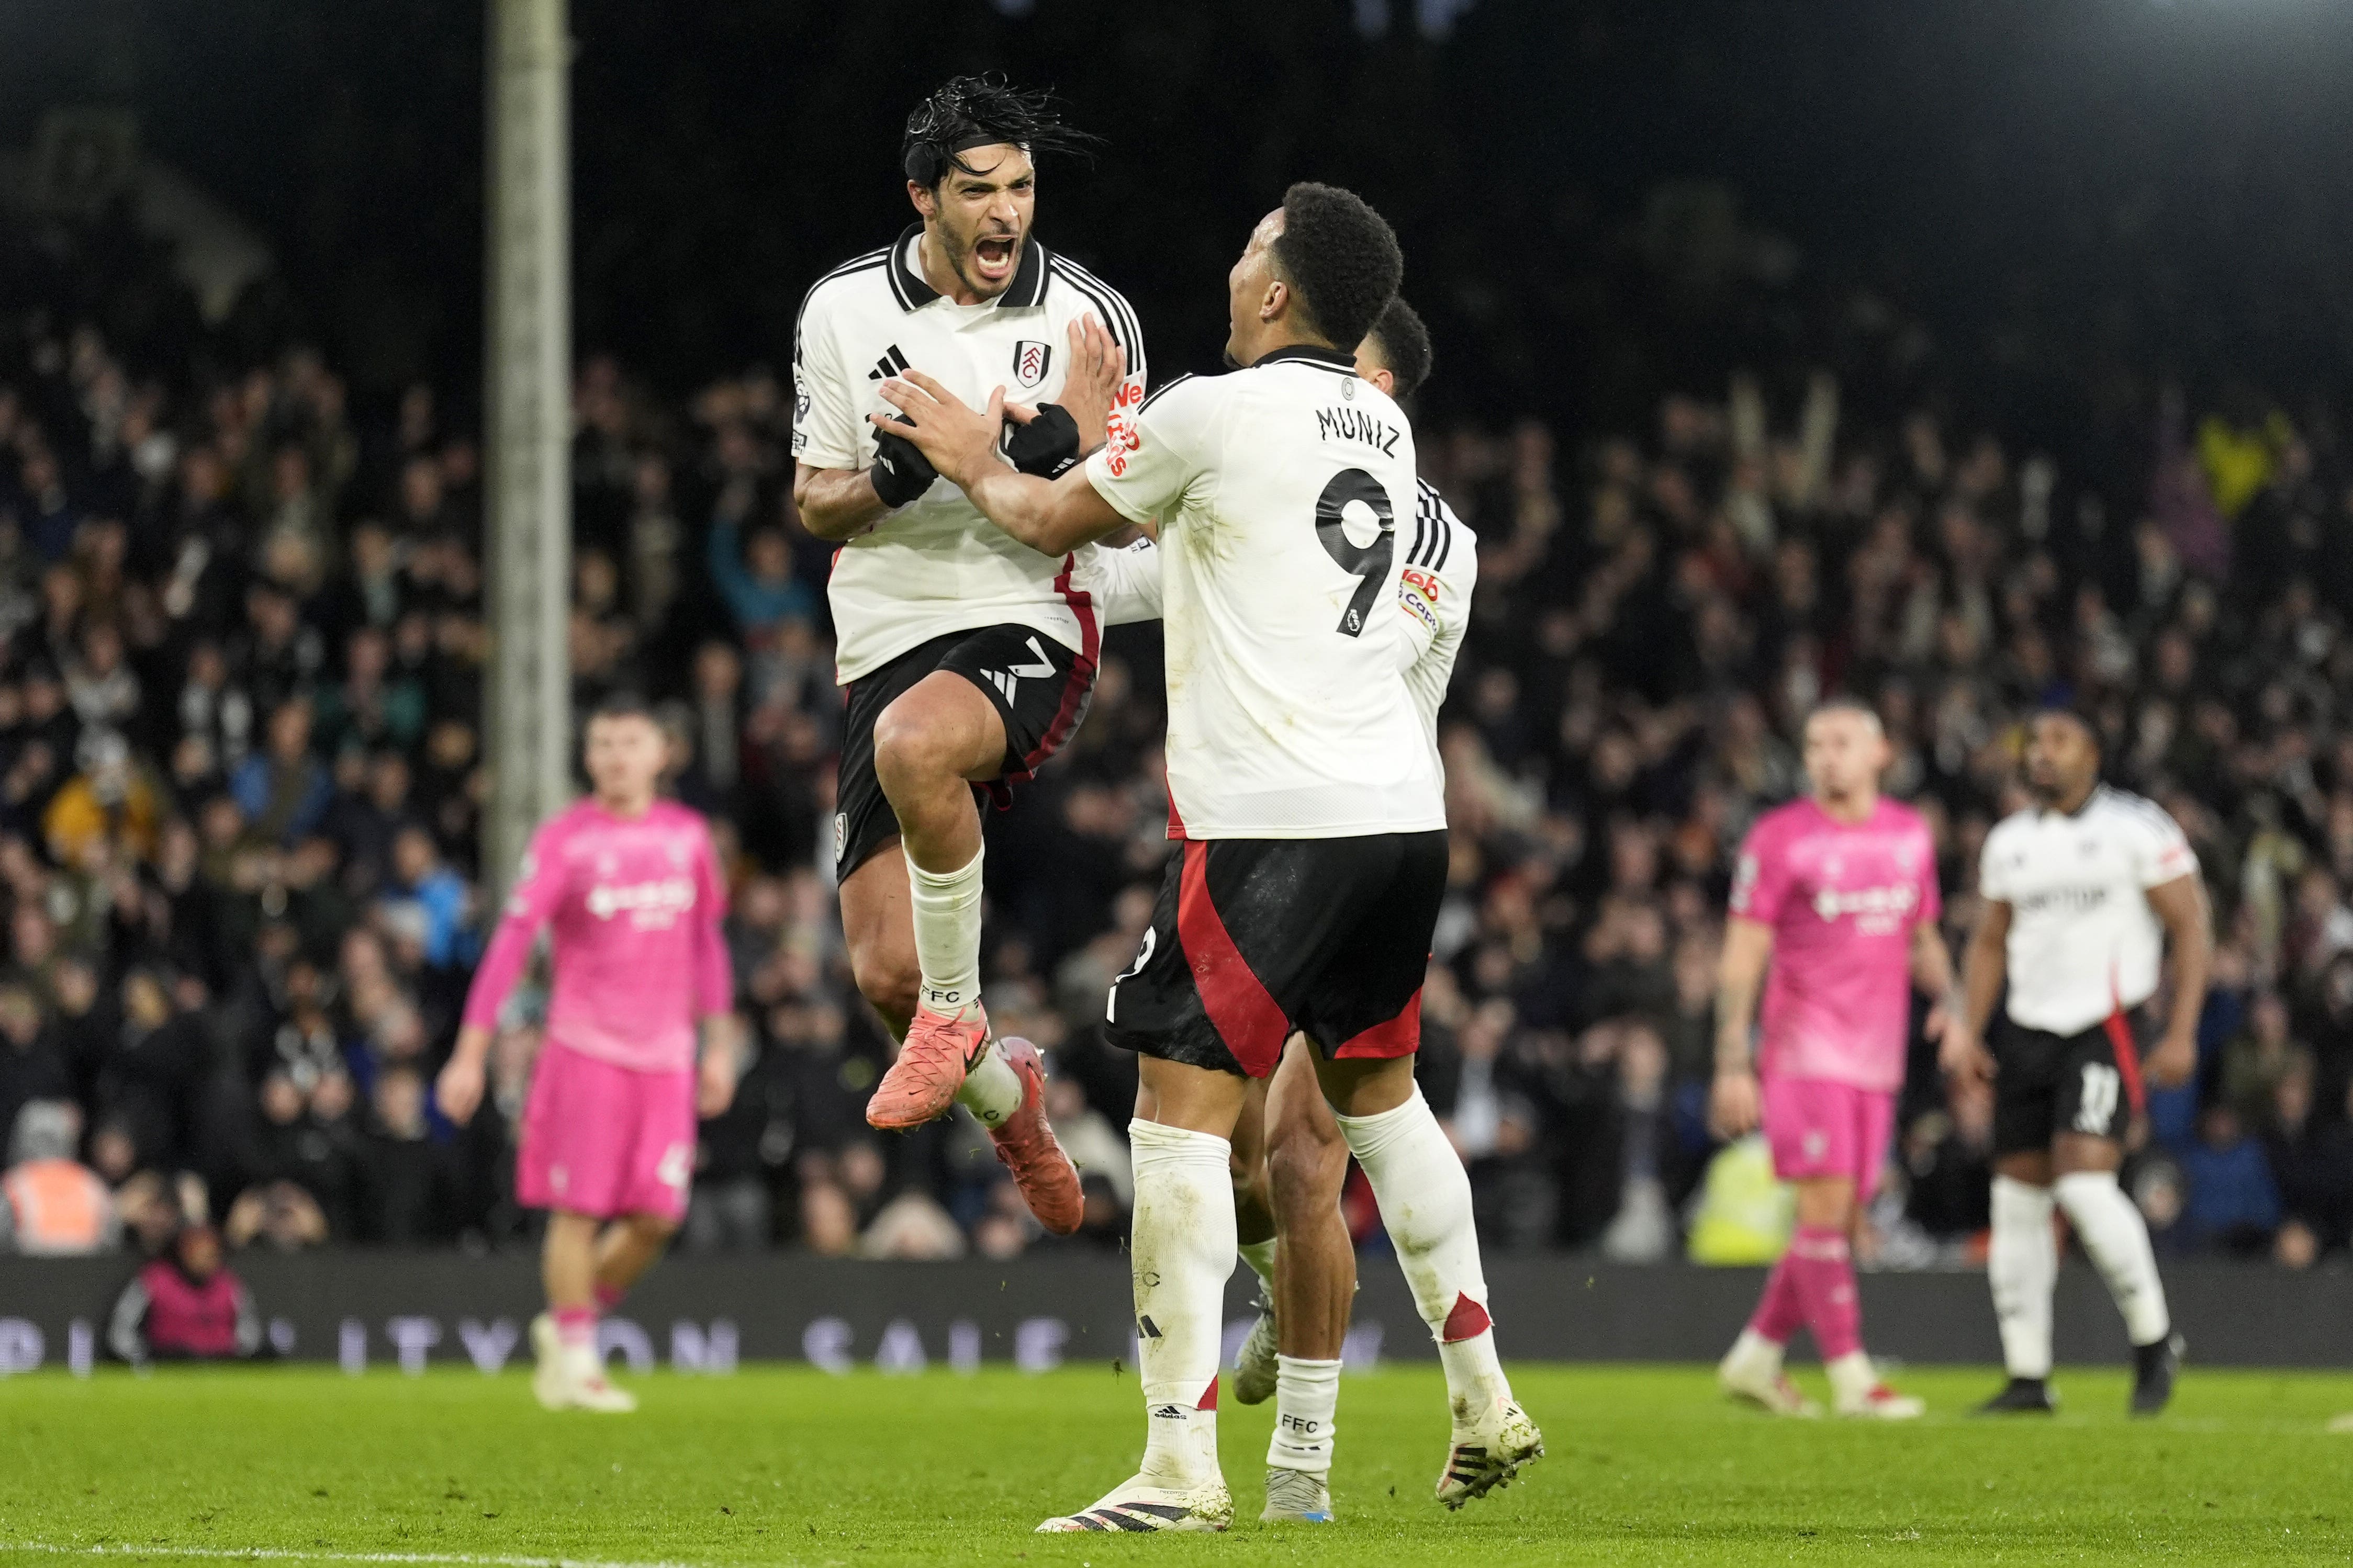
1489	1454
1255	1369
1751	1371
1140	1508
572	1379
1296	1497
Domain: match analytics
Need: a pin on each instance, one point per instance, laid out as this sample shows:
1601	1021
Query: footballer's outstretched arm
1050	516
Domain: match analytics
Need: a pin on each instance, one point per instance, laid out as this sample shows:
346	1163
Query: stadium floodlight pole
527	369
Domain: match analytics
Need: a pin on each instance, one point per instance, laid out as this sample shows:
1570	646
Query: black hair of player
1403	343
624	705
968	111
2082	715
1341	257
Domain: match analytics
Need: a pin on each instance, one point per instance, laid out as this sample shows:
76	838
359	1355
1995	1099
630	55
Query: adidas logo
1008	680
1169	1413
892	364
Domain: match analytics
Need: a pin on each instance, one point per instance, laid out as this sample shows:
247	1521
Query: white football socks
1852	1377
2023	1266
946	910
1306	1392
1260	1255
1425	1199
1181	1249
2117	1238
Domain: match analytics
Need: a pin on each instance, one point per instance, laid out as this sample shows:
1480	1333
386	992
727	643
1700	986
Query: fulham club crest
1030	359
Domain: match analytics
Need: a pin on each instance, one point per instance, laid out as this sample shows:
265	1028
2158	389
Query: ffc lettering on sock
945	907
1306	1395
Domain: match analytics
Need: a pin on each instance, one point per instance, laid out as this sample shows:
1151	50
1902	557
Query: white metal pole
527	375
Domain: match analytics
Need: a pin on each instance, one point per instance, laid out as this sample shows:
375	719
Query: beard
961	251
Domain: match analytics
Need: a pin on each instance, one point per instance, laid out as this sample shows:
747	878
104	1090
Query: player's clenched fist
960	441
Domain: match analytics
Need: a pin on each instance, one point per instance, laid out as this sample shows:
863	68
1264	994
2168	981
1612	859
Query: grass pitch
786	1465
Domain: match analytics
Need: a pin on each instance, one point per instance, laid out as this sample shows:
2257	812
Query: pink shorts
1817	1128
602	1140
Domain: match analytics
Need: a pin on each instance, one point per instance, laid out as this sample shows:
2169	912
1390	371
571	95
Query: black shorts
2046	1084
1040	691
1253	938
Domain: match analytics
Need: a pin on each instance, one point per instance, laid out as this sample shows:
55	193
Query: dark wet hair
968	111
1343	260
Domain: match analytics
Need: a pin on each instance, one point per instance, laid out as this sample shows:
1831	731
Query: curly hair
1403	343
968	111
1342	259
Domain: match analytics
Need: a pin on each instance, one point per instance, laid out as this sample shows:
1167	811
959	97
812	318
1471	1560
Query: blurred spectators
242	637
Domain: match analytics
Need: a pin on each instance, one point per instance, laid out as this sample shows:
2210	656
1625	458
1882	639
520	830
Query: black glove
1048	445
901	471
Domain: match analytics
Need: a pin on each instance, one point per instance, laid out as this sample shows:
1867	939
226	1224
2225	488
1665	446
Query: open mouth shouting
992	259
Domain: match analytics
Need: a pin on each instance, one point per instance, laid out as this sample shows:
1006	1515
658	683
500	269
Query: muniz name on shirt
1355	425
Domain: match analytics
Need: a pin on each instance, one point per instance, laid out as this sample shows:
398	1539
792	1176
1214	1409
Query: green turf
787	1465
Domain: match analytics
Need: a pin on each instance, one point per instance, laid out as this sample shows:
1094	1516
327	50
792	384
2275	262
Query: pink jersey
635	904
1843	900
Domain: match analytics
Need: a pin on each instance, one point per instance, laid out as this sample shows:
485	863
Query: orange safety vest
61	1207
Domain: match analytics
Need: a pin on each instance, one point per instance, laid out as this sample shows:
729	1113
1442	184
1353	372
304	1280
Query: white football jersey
2083	942
1280	491
936	565
1433	595
1441	568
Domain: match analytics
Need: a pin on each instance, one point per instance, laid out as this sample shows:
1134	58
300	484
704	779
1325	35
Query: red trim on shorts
1250	1020
1080	684
2120	1038
1209	1398
1400	1036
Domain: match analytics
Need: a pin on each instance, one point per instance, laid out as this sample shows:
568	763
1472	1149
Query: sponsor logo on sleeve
1122	434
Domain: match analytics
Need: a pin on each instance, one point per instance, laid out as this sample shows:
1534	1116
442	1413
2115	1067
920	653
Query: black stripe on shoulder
1420	537
1153	395
1085	281
1116	323
867	262
1117	319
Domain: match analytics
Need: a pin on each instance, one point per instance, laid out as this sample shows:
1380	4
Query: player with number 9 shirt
1311	812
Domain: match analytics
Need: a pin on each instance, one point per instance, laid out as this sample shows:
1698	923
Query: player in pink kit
633	889
1837	892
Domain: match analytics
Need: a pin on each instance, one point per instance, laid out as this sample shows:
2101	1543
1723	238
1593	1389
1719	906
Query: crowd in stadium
241	789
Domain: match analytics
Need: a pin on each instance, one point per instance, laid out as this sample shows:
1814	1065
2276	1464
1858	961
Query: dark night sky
2052	183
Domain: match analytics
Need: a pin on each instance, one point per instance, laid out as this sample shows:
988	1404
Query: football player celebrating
1311	812
967	656
634	892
